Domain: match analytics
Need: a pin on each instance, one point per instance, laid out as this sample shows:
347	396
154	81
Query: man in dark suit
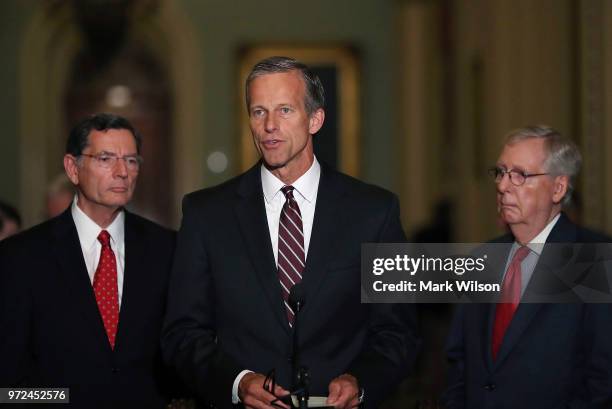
520	354
244	244
82	296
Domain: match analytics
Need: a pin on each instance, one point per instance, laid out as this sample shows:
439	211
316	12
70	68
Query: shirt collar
306	185
89	230
537	243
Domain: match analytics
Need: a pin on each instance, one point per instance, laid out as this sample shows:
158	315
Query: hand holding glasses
269	386
290	400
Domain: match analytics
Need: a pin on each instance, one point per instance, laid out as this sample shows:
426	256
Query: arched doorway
51	49
130	82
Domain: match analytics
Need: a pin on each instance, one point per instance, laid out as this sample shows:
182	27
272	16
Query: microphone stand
301	375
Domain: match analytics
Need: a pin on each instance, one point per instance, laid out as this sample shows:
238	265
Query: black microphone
296	298
301	376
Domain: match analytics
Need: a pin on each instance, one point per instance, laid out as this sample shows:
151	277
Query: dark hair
8	212
78	139
315	94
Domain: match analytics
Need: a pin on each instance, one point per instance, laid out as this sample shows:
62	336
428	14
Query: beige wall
511	63
216	32
12	17
442	81
595	53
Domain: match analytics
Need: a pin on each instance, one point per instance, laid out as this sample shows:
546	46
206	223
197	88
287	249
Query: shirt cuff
235	397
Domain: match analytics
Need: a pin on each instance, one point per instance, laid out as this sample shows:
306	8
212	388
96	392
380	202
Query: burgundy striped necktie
291	254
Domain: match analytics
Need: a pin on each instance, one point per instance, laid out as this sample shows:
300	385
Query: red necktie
105	288
291	254
510	298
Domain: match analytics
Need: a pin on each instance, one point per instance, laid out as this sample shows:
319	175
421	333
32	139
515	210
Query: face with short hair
537	201
282	129
100	189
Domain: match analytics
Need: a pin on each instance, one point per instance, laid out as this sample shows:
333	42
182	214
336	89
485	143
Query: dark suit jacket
51	333
226	313
552	356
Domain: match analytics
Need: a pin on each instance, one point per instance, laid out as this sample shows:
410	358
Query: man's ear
560	185
72	168
316	121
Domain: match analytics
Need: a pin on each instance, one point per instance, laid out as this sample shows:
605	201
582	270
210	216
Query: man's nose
504	183
270	123
120	169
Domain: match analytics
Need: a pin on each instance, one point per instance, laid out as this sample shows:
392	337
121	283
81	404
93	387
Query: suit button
489	387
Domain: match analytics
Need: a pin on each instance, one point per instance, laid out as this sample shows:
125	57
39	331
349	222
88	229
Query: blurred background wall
441	82
438	83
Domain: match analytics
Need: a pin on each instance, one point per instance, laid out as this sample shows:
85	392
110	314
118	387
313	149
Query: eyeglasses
270	384
517	177
108	161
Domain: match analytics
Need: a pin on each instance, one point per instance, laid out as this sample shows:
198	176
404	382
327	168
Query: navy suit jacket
552	356
51	332
226	312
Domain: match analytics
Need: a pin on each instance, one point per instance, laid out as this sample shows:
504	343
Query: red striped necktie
291	254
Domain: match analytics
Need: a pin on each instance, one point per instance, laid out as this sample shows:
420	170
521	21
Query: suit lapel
487	314
74	272
327	219
134	273
498	255
550	276
522	319
250	211
564	231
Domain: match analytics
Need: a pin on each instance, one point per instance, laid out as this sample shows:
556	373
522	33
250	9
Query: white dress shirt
305	192
536	245
88	232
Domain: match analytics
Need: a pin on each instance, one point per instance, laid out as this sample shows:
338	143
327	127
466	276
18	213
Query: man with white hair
516	354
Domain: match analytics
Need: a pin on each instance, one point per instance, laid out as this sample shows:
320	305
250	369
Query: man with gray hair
287	223
519	354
